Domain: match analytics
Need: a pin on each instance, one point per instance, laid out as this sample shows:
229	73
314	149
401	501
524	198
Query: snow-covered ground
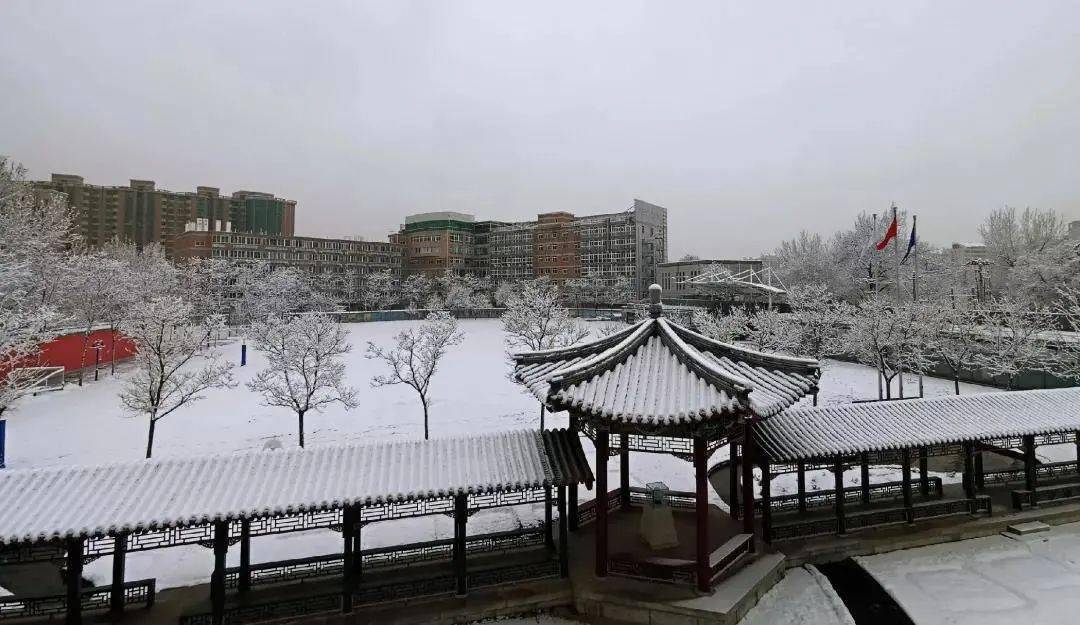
472	392
803	597
986	581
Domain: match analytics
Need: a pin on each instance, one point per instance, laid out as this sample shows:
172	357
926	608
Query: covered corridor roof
805	433
41	504
657	371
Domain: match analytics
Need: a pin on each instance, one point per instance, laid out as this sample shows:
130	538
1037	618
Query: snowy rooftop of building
657	371
40	504
847	429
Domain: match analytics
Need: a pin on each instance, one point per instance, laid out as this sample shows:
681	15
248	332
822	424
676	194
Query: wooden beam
348	556
572	513
864	478
601	502
564	535
461	518
924	473
747	477
838	486
800	485
73	614
217	579
624	470
1030	463
905	473
549	538
701	501
969	469
733	477
119	561
243	585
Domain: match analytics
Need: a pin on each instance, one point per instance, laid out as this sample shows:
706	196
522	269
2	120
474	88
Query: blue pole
3	430
243	354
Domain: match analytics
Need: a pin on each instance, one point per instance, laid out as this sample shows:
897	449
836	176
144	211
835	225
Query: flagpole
896	250
915	279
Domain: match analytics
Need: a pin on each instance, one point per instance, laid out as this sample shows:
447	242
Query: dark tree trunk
956	383
543	409
301	420
112	352
82	358
424	402
150	438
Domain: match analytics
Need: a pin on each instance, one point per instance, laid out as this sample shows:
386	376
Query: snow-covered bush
535	318
817	322
728	328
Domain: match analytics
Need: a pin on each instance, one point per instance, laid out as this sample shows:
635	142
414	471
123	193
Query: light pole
97	347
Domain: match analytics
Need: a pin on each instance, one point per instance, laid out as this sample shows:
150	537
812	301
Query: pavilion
658	387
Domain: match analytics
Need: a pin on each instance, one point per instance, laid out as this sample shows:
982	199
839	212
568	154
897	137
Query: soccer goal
38	379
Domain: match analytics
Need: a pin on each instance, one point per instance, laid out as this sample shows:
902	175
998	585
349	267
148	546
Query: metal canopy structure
764	280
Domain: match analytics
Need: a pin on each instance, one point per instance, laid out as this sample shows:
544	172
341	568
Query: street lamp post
97	347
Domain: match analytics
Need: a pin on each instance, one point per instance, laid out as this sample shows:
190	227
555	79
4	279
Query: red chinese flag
890	234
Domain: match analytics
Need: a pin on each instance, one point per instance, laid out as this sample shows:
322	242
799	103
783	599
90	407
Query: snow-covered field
987	581
472	393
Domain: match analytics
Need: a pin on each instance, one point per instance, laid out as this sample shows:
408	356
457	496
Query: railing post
701	501
348	554
905	472
73	614
601	501
924	468
564	534
217	579
243	584
1030	482
800	485
461	517
838	486
624	470
116	594
733	478
864	478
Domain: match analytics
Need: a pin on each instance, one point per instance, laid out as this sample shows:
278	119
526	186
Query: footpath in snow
803	597
987	581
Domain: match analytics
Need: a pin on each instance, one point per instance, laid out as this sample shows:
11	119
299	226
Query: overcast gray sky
748	120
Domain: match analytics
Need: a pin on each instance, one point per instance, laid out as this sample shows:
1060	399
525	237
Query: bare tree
958	337
877	335
415	357
379	290
169	374
768	331
1013	340
818	321
535	319
88	295
304	367
415	290
727	328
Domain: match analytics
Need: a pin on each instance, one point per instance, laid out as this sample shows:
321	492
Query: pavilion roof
40	504
847	429
659	372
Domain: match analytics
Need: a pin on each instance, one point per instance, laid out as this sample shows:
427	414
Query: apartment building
342	257
562	246
142	213
431	243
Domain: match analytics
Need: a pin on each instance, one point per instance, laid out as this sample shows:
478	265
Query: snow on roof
659	372
855	428
40	504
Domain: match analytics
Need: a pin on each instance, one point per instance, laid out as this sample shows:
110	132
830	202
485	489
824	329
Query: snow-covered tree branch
414	359
304	366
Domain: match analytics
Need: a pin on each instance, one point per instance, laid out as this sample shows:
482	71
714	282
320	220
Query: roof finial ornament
655	307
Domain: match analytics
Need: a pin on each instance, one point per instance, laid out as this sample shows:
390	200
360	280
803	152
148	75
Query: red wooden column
73	615
624	470
838	487
748	453
601	502
733	477
116	594
1030	481
217	579
905	472
701	500
572	512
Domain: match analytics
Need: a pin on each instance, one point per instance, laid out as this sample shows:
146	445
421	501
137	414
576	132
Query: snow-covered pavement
986	581
803	597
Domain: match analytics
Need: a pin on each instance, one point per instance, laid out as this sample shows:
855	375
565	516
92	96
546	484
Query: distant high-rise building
142	214
629	244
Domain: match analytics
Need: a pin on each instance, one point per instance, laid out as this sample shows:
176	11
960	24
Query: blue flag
911	241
